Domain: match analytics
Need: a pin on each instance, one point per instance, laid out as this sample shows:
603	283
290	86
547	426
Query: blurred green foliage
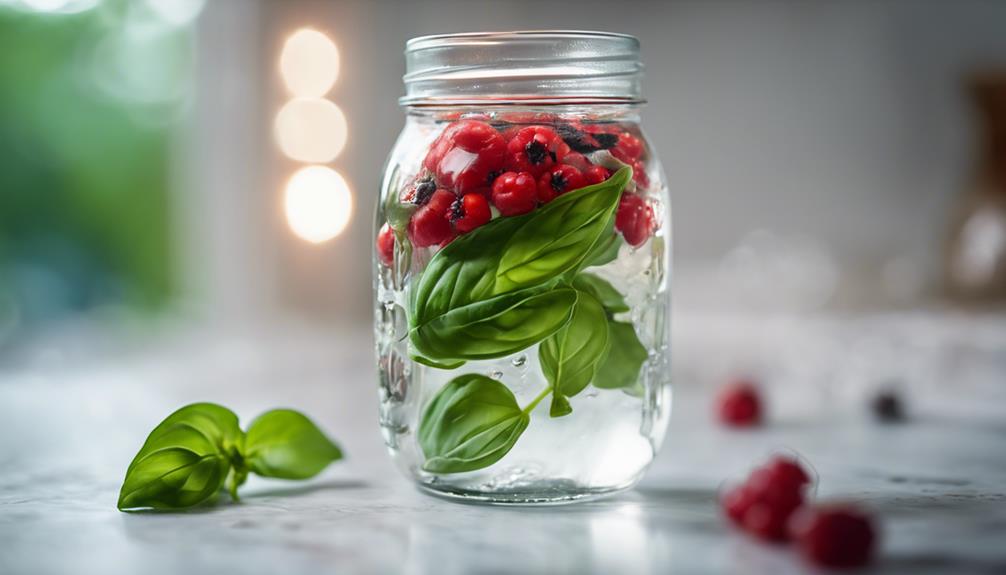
84	205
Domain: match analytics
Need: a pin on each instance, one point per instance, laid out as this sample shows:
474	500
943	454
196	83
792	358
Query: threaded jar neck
527	67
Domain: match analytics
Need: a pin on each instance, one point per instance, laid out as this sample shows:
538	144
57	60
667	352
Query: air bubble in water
519	360
496	374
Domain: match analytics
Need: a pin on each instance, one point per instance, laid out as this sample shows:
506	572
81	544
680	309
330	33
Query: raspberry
634	219
386	245
469	212
762	506
735	503
557	181
596	174
429	225
465	155
738	405
788	471
535	149
515	193
834	535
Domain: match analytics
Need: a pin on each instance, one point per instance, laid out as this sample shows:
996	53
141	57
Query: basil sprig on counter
501	288
190	456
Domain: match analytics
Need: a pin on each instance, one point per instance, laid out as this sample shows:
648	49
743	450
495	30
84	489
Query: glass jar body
521	280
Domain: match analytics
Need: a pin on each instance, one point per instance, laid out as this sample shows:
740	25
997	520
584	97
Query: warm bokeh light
318	203
311	130
309	63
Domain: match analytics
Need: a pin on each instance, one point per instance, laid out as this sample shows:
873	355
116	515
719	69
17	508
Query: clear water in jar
604	445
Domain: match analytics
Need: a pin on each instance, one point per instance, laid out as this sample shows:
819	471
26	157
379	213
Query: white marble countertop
68	428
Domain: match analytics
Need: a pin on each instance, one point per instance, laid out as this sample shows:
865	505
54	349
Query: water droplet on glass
519	360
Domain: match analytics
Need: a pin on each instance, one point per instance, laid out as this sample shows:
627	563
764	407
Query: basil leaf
570	356
605	249
495	327
620	368
443	364
509	255
471	423
286	444
184	460
396	212
605	293
558	236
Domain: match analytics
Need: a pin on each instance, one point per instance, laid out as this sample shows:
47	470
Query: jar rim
419	42
522	67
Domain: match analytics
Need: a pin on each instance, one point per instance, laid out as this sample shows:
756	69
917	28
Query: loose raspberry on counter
739	404
430	224
469	212
774	498
634	219
765	502
834	535
464	156
386	245
596	174
535	149
515	193
559	180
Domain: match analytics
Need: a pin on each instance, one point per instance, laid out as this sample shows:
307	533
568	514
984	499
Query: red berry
578	161
535	149
788	471
634	219
470	212
768	522
738	405
735	502
559	180
465	155
639	174
419	190
429	225
774	497
596	174
628	149
834	535
515	193
386	245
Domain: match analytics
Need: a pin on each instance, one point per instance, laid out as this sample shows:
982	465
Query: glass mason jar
521	270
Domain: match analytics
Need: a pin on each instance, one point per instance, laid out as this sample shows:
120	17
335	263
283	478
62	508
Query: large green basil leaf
511	254
570	356
620	368
184	461
560	235
286	444
471	423
495	327
610	298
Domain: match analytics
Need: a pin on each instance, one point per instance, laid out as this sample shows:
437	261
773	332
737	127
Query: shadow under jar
521	270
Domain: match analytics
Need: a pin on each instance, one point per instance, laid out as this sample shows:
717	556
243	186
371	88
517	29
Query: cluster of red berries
771	506
474	165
